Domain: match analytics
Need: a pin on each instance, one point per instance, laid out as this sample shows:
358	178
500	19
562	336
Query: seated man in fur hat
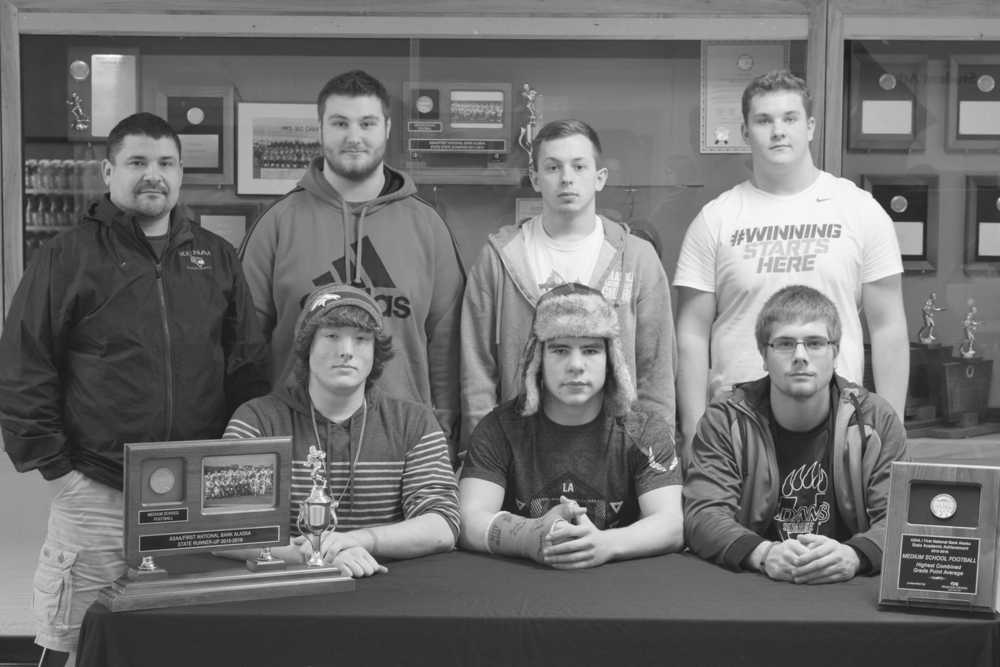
568	474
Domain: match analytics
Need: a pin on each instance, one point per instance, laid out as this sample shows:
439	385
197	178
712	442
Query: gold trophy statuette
316	512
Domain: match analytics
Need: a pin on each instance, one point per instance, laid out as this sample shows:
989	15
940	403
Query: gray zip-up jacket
732	483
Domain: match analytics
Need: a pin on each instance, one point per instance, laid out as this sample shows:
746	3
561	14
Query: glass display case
463	112
922	128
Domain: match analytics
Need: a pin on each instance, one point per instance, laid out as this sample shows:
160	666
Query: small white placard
911	237
887	117
979	118
989	239
200	151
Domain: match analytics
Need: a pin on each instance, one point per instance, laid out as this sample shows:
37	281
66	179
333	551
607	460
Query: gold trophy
316	513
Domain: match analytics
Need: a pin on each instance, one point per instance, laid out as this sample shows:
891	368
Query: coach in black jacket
135	326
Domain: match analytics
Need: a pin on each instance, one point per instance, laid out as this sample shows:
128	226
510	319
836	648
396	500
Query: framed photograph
982	223
275	142
202	116
887	102
911	200
973	103
726	69
230	221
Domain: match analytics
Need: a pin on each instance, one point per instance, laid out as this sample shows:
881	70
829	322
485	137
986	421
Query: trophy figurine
527	135
969	325
926	333
316	513
81	122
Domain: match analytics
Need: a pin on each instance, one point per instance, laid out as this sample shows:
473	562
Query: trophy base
224	583
255	565
136	574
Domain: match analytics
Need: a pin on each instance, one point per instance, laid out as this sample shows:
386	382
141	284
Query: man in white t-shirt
791	223
568	242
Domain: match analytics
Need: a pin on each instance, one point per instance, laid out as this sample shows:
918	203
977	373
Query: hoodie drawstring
353	277
359	234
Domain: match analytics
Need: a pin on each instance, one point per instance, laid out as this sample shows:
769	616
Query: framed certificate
982	224
230	221
726	69
973	102
911	200
275	142
202	116
887	102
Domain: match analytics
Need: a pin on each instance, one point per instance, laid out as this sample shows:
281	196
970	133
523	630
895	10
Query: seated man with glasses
789	475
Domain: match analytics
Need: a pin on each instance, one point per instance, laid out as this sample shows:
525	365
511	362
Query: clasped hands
811	559
570	540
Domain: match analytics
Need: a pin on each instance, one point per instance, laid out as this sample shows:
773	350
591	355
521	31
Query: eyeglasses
813	344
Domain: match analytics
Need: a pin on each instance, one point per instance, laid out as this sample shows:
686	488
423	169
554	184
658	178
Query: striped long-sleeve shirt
402	467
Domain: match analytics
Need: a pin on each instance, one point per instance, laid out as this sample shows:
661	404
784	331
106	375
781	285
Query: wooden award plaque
184	500
941	538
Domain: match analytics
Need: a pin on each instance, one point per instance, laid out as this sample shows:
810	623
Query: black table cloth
474	609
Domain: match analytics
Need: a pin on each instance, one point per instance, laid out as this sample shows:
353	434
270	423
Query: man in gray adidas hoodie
353	219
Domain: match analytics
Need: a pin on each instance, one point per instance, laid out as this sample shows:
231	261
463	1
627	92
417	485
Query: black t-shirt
158	243
806	500
582	462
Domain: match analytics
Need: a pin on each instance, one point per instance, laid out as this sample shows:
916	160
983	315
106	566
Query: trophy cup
316	513
527	135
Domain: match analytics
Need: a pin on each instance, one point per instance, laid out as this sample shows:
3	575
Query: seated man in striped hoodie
387	459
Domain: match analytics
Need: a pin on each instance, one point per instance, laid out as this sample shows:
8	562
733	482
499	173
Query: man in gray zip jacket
789	475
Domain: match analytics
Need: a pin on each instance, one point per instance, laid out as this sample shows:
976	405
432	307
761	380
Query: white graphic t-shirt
554	261
746	244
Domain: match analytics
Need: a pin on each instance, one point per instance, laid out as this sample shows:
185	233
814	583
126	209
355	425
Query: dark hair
142	123
773	81
559	129
796	303
344	316
356	83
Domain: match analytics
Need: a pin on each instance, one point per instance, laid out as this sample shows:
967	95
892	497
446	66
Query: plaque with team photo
941	538
973	102
887	107
202	497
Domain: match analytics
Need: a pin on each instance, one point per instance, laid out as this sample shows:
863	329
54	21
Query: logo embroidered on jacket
197	259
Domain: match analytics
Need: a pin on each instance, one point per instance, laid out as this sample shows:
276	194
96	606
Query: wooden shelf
467	176
60	192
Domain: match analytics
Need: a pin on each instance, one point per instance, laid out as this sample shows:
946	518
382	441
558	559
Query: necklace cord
326	446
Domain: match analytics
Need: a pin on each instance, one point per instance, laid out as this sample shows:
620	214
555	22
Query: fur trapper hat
577	311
